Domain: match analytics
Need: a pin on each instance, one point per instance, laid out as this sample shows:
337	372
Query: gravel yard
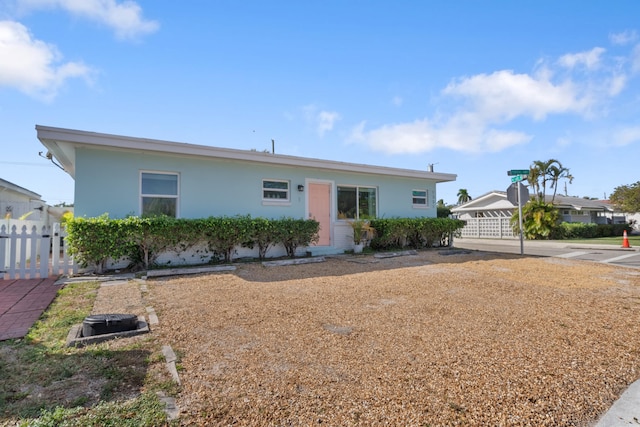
466	339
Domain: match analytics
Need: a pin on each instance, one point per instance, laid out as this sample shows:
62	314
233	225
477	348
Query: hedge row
94	241
414	233
579	230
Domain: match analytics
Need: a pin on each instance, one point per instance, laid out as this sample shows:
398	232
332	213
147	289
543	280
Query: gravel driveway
468	339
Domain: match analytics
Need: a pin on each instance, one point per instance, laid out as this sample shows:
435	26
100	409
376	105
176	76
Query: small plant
359	227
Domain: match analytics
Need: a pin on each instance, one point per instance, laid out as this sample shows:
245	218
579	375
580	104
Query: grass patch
614	241
45	383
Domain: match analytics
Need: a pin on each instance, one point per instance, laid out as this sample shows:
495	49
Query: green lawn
634	241
45	383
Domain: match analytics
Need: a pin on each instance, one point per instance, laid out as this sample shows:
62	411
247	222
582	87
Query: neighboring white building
489	215
17	202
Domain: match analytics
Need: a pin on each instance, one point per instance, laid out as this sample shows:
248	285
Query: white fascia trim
59	136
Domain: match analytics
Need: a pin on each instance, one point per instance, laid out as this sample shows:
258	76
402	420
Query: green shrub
262	233
95	241
223	234
293	233
580	230
576	230
392	233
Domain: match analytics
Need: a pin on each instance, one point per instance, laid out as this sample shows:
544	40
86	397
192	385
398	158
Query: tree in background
556	172
463	196
443	210
548	172
626	198
539	218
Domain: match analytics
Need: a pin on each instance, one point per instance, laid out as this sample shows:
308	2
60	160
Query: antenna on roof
431	166
273	147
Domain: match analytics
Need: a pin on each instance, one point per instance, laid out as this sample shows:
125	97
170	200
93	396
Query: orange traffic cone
625	240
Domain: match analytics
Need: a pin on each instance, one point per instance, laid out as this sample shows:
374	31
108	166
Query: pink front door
320	210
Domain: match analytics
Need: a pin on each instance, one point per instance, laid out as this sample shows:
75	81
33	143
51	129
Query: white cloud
504	95
617	84
626	136
590	59
625	37
635	59
35	67
464	132
482	106
324	121
125	18
397	101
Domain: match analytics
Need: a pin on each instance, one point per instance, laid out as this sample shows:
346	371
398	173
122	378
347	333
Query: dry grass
421	340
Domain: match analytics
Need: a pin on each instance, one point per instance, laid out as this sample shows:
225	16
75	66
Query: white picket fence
32	252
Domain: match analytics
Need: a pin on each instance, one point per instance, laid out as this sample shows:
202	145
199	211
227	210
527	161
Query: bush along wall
140	241
579	230
416	233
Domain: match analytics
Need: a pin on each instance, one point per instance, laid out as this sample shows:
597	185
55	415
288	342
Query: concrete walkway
22	302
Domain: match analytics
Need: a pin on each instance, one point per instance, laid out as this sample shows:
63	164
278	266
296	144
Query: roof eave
62	142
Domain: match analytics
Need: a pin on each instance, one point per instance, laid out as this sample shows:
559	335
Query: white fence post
4	250
66	265
45	244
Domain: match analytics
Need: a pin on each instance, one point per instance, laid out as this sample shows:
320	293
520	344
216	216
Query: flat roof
62	143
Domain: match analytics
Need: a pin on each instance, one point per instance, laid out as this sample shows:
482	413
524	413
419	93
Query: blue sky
475	88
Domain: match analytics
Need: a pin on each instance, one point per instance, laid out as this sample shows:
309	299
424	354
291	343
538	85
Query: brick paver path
22	301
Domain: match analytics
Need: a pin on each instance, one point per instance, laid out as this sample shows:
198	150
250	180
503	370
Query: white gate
32	252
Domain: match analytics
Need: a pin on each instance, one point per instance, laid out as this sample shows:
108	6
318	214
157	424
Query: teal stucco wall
109	182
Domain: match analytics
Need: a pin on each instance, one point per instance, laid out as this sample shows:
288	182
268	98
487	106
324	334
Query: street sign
518	194
512	194
513	172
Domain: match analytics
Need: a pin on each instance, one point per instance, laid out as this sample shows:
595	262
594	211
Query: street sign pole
520	219
517	176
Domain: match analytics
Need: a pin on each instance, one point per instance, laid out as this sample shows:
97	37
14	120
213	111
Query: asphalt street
609	254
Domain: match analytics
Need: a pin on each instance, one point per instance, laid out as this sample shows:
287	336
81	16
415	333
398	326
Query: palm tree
557	172
540	217
463	196
548	172
540	172
533	180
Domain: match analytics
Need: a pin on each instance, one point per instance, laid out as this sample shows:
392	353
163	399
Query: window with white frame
357	202
419	198
159	193
274	190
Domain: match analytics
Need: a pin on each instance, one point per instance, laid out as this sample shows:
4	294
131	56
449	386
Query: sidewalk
22	302
558	244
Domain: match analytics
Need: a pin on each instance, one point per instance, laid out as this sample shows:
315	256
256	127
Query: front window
275	190
357	202
420	198
159	193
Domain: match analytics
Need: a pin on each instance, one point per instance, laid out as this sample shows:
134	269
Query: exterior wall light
300	187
